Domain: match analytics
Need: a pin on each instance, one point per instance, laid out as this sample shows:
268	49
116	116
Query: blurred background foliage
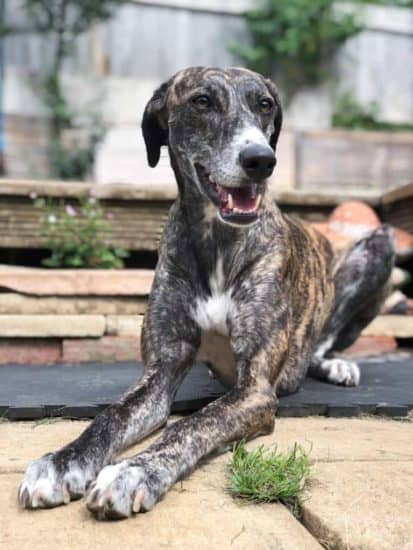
63	21
296	40
349	113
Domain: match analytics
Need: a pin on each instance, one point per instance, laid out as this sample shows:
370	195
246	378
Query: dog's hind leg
169	351
361	279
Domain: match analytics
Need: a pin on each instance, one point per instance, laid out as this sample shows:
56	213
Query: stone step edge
12	303
77	282
69	326
83	325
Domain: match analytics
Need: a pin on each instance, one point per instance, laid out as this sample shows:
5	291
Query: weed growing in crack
263	475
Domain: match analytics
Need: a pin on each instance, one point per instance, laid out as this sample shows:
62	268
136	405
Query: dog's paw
122	489
44	486
341	372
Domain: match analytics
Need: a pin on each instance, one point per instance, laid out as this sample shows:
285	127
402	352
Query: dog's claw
37	499
91	497
137	501
23	497
66	493
90	486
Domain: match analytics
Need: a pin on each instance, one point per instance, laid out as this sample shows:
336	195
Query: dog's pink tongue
241	199
244	198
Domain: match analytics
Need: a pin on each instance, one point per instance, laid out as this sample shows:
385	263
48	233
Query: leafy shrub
349	113
77	235
398	3
71	164
295	38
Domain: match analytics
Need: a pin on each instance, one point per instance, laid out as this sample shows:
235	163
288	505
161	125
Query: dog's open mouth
236	204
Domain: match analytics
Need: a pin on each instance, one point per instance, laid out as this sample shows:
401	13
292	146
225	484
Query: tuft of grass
263	475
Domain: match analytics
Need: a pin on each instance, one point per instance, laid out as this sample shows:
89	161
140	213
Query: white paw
44	487
342	372
120	490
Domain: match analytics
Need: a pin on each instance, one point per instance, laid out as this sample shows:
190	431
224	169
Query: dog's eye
202	102
266	105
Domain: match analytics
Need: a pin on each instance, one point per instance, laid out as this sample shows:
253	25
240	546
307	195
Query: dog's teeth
230	202
257	204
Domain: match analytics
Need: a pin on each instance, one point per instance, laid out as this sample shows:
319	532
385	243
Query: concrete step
77	282
399	326
12	303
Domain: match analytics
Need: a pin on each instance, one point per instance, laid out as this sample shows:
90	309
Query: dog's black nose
257	160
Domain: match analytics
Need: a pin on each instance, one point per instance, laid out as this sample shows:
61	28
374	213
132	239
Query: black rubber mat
81	391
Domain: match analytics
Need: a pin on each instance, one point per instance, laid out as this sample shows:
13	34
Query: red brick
29	351
372	345
107	348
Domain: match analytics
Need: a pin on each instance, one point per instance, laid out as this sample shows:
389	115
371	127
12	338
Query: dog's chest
211	312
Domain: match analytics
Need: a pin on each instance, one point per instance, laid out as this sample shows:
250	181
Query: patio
360	496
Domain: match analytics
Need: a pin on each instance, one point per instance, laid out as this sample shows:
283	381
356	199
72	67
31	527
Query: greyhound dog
233	267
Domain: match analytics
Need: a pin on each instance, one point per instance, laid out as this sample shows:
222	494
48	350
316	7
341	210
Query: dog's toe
44	486
40	487
341	372
120	490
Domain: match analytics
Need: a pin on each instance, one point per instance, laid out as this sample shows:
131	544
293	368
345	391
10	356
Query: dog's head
222	128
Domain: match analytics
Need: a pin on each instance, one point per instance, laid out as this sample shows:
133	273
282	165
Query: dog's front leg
169	343
135	484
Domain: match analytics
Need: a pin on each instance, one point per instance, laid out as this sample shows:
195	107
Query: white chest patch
211	313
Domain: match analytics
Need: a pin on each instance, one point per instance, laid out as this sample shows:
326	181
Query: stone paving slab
330	439
196	514
51	326
400	326
362	505
360	497
12	303
75	282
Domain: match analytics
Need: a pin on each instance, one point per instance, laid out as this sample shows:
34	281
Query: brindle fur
290	303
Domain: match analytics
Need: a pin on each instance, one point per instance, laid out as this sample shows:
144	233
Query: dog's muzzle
240	204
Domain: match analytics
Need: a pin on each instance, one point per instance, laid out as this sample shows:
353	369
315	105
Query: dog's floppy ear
278	115
155	124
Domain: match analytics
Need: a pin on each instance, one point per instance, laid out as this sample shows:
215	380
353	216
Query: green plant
77	235
349	113
263	475
398	3
63	21
74	161
295	38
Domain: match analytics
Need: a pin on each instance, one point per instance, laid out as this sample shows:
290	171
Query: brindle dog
230	264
